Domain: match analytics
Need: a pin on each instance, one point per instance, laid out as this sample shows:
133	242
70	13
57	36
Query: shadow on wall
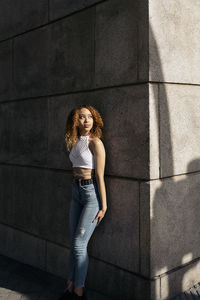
174	224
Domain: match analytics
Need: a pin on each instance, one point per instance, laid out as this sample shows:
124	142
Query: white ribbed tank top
80	154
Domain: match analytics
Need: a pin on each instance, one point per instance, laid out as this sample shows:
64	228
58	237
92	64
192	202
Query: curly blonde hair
72	130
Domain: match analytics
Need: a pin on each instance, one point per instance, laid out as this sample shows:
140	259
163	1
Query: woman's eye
81	117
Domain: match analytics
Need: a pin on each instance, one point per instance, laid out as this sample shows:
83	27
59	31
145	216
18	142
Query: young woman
88	204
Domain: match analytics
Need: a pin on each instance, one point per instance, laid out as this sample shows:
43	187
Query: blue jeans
84	206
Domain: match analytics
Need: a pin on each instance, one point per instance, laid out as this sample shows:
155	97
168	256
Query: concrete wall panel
71	53
145	233
6	195
52	66
21	15
116	34
5	70
22	246
40	202
122	195
30	65
143	40
24	132
169	234
174	47
61	8
57	258
57	203
174	222
117	283
154	131
179	129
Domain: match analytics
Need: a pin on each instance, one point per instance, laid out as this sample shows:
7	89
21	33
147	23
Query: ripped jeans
84	206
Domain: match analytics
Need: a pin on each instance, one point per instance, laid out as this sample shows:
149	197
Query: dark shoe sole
67	295
83	297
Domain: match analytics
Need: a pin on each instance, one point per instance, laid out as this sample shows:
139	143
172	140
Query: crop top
80	154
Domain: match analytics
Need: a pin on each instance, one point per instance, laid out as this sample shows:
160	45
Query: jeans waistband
84	181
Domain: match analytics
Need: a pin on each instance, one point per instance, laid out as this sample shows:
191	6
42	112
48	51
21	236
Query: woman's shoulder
96	144
95	141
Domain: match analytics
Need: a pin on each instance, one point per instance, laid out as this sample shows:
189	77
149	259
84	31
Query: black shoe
67	295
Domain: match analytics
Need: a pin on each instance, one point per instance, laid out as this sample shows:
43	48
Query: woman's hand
99	216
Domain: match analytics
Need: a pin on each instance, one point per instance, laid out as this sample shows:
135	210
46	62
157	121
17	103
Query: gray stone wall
173	204
137	62
54	55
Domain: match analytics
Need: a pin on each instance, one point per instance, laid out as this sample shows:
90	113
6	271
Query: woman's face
85	121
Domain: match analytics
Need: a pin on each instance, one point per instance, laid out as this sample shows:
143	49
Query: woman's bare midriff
83	173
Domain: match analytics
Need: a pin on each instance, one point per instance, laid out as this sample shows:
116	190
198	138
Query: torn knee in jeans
82	229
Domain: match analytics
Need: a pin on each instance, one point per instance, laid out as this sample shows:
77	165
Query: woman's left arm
99	160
